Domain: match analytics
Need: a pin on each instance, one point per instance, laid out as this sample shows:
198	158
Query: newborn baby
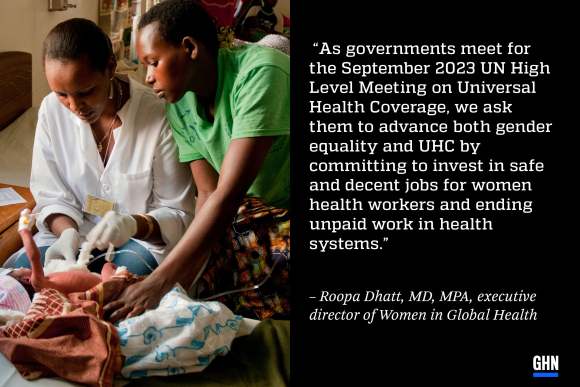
34	279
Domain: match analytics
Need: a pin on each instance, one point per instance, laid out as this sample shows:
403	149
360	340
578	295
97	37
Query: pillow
16	143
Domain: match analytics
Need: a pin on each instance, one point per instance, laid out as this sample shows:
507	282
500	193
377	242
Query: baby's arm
109	270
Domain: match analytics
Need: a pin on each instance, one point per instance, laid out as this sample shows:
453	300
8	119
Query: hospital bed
17	125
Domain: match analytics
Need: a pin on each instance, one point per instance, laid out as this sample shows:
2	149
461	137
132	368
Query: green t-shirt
252	100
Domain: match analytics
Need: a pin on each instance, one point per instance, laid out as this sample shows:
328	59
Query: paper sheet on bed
8	196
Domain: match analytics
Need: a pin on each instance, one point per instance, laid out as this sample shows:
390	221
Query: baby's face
20	273
23	276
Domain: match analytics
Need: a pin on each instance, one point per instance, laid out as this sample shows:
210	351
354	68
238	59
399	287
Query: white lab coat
143	174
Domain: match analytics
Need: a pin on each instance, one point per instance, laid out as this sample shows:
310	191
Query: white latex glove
66	247
115	228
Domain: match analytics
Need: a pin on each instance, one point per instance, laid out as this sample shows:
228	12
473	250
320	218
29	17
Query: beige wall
25	23
283	7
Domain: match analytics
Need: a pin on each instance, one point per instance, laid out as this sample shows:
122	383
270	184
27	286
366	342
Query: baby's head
23	277
15	294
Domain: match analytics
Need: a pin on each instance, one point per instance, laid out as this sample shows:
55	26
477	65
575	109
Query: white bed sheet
16	143
9	377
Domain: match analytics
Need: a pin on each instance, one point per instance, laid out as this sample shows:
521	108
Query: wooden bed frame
15	99
15	85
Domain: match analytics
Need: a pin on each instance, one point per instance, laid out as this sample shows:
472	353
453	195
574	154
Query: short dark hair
73	39
176	19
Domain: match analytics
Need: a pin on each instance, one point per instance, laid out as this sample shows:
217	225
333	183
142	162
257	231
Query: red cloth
222	11
66	336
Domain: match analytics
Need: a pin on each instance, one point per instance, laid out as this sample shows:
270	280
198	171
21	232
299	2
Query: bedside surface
10	214
10	241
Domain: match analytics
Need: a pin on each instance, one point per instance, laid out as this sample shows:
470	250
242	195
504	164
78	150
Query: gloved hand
115	228
66	247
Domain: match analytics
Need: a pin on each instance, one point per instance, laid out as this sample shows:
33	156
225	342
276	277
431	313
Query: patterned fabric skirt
225	36
255	250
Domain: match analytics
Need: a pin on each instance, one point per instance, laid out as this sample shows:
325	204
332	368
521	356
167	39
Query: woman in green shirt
229	111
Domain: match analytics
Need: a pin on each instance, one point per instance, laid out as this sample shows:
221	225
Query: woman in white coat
105	165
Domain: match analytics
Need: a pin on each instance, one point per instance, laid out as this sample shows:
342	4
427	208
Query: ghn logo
548	365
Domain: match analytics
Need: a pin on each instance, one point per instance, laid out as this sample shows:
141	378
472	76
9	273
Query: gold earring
111	92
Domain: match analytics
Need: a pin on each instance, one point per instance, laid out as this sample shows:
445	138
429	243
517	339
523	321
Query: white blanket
180	336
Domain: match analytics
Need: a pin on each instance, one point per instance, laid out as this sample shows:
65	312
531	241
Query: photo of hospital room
144	192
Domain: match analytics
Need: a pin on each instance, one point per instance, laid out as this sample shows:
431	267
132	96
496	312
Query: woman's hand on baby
115	228
136	300
66	247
